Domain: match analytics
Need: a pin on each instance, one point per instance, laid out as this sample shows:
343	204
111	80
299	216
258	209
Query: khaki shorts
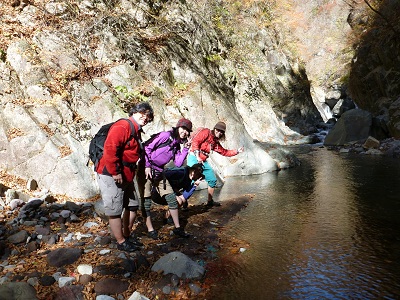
116	197
159	185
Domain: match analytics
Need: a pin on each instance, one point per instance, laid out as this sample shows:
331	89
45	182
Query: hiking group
119	154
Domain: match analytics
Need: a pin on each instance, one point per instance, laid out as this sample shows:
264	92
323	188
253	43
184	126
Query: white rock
137	296
104	297
68	238
80	236
57	275
63	281
85	269
90	224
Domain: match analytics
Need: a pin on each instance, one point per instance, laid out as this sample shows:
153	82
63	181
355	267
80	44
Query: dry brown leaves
31	101
14	132
12	181
46	129
144	280
65	151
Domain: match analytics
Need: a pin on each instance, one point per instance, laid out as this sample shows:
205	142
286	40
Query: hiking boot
153	234
134	240
180	232
185	206
213	203
127	246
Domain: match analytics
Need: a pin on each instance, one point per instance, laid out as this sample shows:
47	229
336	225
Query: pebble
38	214
194	288
54	215
47	280
34	281
85	269
104	297
68	238
15	203
166	290
74	218
63	281
90	224
110	286
174	280
65	214
80	236
85	279
137	296
57	275
3	279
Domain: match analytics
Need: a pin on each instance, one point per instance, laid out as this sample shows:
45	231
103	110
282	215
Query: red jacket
206	142
118	151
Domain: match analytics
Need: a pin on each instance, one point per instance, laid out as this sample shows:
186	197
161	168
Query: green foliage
220	15
159	92
127	99
130	95
344	79
180	86
2	55
215	58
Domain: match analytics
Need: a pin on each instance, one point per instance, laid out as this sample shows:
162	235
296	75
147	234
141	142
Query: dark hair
143	108
197	168
222	138
175	132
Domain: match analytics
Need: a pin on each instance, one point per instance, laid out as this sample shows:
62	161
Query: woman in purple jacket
160	150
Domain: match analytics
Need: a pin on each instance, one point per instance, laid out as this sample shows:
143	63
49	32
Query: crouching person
183	181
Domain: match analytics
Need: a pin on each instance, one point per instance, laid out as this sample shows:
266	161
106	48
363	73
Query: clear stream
328	229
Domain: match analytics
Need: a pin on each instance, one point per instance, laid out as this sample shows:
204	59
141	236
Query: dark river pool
328	229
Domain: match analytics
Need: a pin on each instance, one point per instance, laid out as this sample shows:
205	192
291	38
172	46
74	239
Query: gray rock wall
60	83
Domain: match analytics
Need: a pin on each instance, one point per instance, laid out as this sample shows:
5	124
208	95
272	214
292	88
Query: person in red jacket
116	170
203	143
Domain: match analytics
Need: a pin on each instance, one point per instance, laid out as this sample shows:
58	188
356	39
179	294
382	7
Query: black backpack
96	146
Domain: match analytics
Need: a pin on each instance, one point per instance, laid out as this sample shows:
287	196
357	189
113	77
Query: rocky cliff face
350	52
374	81
68	67
76	65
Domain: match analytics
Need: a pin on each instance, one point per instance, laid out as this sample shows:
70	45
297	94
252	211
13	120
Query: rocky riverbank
61	249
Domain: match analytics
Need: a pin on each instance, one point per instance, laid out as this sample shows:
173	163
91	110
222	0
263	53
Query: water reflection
328	229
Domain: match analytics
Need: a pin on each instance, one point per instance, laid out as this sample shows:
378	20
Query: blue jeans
207	170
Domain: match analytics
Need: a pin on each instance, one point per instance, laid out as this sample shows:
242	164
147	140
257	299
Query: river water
328	229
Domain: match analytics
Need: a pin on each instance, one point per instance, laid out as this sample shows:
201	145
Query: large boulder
63	256
17	291
179	264
354	125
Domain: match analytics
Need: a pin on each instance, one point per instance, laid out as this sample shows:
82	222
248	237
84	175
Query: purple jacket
157	158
